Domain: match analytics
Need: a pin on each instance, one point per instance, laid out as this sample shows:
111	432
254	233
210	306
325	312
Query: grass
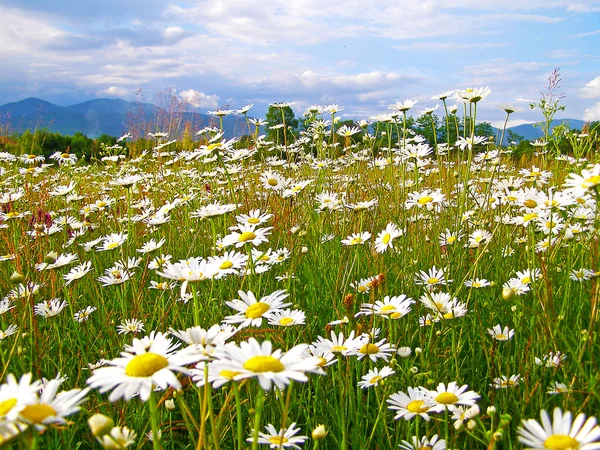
467	193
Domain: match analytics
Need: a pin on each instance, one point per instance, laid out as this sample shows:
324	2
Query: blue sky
361	55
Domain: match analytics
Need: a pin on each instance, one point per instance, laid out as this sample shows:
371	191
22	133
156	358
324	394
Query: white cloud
591	89
593	113
173	32
587	34
114	91
199	99
359	81
582	8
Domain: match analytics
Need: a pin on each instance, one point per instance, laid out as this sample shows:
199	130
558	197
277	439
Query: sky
362	55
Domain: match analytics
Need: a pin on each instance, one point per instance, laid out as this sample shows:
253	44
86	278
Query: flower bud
100	425
304	250
491	411
170	404
17	278
50	258
507	293
319	433
471	424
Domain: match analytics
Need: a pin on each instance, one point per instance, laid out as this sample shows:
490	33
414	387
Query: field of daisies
309	292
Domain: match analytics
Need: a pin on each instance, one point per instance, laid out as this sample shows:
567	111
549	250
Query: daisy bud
170	404
418	350
303	233
304	250
100	425
414	370
17	277
319	433
491	411
498	436
404	352
471	424
50	258
507	293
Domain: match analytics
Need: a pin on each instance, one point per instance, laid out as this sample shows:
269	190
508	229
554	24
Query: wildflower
504	382
374	351
501	334
252	311
112	241
452	395
83	314
390	307
247	235
284	438
560	432
50	308
374	376
431	278
144	365
417	401
385	239
357	238
433	443
286	318
252	359
339	344
151	246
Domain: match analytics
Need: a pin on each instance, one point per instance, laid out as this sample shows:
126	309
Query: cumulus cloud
593	113
199	99
173	32
114	91
591	89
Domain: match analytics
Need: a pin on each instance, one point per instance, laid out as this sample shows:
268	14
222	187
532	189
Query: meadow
315	291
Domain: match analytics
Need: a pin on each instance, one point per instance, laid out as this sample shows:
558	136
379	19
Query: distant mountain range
115	117
104	116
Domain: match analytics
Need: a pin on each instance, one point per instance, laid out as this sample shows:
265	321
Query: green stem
260	400
156	445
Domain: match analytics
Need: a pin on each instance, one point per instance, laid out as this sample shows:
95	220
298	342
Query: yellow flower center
338	349
386	238
228	374
278	440
6	406
256	310
526	280
65	155
264	364
593	180
449	315
396	315
369	349
101	204
285	321
375	379
424	200
451	239
561	442
501	337
446	398
37	413
356	241
112	245
362	289
272	182
322	361
528	217
226	265
31	156
246	236
387	309
511	198
433	280
253	220
417	406
476	284
145	365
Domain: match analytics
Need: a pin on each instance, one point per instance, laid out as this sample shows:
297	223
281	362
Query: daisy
247	235
284	438
118	438
229	262
357	238
147	363
452	395
560	432
551	359
432	200
417	402
203	342
252	359
431	278
374	351
16	395
77	272
286	318
50	308
389	308
112	241
213	210
52	407
374	376
151	246
479	237
340	345
557	388
251	312
365	285
504	382
12	329
579	185
433	443
130	326
253	218
190	270
477	283
501	334
448	238
83	314
386	237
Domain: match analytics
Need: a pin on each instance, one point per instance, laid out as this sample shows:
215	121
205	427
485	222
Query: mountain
531	132
103	116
